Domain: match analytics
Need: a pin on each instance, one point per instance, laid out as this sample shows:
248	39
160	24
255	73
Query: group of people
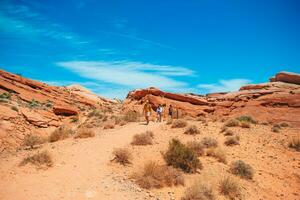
159	112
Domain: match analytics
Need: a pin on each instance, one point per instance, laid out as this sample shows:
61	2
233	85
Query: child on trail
159	112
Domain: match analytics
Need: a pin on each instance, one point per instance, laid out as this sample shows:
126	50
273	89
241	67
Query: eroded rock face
273	102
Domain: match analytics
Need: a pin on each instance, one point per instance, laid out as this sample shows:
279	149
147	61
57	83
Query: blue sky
114	46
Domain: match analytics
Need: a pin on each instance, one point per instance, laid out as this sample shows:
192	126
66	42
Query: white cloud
224	85
129	74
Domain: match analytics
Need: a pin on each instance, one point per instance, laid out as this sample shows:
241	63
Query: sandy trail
80	170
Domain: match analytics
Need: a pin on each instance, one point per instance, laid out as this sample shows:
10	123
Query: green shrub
33	103
49	104
5	96
242	169
246	118
180	156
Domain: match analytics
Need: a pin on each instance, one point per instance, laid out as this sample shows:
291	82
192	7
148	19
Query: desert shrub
245	124
180	156
158	176
208	142
197	147
223	129
232	140
275	129
230	188
84	133
228	133
179	123
122	123
217	153
246	118
201	119
242	169
33	103
5	96
32	140
232	123
294	143
15	108
192	130
74	119
96	113
131	116
199	191
49	104
284	124
39	159
60	133
109	125
122	156
143	138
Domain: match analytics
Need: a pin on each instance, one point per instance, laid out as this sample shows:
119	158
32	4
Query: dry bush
32	140
201	119
96	113
158	176
223	129
217	153
245	124
179	123
284	124
232	140
199	191
246	118
109	125
242	169
39	159
122	156
228	133
122	123
232	123
84	133
169	121
230	188
196	147
180	156
294	143
275	129
192	130
143	138
209	142
60	133
131	116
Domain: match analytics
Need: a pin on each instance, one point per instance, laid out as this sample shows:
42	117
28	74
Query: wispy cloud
224	85
129	74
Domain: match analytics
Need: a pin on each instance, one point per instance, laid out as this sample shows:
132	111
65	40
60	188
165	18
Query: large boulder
65	110
288	77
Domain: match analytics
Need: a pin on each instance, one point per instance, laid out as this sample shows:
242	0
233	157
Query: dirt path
80	170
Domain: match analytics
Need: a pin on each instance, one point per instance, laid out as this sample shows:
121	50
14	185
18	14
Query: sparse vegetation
223	129
5	96
246	118
131	116
84	133
284	124
96	113
122	156
169	121
232	123
228	132
60	133
32	140
230	188
180	156
33	103
109	125
209	142
275	129
192	130
122	123
197	147
294	143
39	159
199	191
179	123
245	124
143	138
74	119
242	169
217	153
49	104
232	140
158	176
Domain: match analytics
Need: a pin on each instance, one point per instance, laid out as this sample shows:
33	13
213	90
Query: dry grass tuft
245	124
230	188
223	129
294	143
192	130
232	123
122	123
143	138
42	159
228	133
122	156
180	156
232	140
131	116
109	125
246	118
242	169
199	191
217	153
169	121
196	147
209	142
179	123
158	176
84	133
60	133
275	129
32	140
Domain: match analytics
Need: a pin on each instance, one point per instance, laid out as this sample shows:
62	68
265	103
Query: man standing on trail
147	111
171	112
